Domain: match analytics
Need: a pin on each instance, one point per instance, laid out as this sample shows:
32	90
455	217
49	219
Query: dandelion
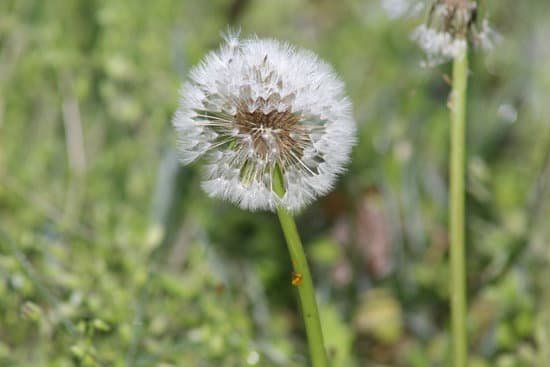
439	46
275	128
256	106
451	28
451	25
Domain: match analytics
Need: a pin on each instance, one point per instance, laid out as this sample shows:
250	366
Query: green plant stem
456	212
306	292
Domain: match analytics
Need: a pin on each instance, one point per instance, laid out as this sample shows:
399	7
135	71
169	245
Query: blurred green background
110	255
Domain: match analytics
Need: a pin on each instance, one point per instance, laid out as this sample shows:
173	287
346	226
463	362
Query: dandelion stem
456	212
301	279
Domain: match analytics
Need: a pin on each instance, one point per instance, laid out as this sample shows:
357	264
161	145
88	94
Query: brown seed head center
458	15
270	132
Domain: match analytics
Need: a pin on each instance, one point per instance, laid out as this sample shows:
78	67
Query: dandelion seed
487	38
257	105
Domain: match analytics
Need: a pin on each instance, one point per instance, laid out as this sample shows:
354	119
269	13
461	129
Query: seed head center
271	133
457	16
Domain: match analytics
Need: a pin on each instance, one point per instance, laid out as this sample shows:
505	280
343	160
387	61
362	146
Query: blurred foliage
110	255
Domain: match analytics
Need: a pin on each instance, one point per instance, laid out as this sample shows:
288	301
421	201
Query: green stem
456	212
301	279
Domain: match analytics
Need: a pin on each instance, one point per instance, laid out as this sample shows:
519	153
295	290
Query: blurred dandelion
439	46
255	105
450	26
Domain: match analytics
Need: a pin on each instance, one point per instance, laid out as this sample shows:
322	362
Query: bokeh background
110	254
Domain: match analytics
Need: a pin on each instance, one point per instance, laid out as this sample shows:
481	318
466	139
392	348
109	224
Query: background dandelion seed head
450	26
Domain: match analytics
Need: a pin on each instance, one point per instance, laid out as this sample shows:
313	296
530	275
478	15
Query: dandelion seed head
439	46
256	104
450	26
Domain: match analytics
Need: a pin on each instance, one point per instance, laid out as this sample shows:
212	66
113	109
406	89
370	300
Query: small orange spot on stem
297	278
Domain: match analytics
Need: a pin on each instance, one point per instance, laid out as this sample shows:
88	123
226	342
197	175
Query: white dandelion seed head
451	25
257	104
444	37
439	46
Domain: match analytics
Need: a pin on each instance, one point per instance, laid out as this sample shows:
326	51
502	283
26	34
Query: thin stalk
456	212
301	278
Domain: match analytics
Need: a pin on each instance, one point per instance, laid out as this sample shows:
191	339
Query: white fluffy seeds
257	104
439	46
451	25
